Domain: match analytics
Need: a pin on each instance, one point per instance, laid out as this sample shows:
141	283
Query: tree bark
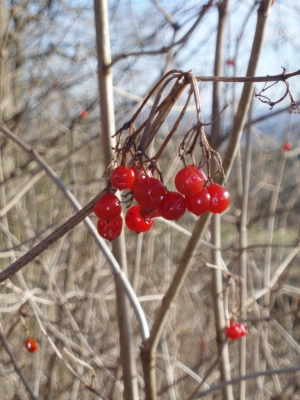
107	130
217	275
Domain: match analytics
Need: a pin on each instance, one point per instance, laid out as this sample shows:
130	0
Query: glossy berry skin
236	330
219	198
135	222
199	203
173	206
287	146
189	180
110	229
199	171
31	345
108	207
149	193
122	178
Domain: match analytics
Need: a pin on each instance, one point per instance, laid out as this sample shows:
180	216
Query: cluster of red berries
236	330
31	345
154	200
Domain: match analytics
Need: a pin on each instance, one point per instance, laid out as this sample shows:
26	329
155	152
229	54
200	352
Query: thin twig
16	365
165	13
107	118
243	243
249	376
248	78
65	228
271	226
274	278
165	49
208	372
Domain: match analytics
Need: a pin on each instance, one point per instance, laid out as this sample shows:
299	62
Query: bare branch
15	364
65	228
249	376
165	49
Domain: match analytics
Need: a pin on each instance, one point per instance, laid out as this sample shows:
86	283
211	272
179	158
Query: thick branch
201	225
217	275
52	238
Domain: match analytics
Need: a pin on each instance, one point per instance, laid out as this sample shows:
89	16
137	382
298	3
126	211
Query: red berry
287	146
122	178
219	198
31	345
108	207
135	222
236	330
83	114
199	203
190	180
110	230
149	193
173	206
230	61
199	171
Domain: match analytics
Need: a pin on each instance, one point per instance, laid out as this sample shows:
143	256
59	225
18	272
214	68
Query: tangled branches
133	149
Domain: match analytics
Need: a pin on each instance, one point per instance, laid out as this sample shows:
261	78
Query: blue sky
132	22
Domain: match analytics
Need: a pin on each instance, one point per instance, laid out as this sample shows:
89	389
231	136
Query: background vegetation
66	297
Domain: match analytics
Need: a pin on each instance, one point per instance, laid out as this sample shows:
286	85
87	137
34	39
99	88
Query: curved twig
16	365
65	228
165	49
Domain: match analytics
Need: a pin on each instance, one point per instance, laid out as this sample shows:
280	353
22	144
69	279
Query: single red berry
83	114
230	62
173	206
110	229
135	222
122	178
108	207
199	203
236	330
189	180
219	198
149	193
287	146
31	345
200	171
